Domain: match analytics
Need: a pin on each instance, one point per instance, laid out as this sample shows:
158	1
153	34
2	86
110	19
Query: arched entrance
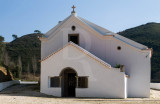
68	82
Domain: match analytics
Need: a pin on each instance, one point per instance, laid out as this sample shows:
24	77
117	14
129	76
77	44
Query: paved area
26	93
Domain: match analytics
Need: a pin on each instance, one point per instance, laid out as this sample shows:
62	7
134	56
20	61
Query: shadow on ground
32	90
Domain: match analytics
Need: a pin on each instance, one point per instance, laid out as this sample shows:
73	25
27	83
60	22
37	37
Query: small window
83	82
73	28
74	38
119	48
54	82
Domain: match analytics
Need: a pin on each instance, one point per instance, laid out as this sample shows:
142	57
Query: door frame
63	74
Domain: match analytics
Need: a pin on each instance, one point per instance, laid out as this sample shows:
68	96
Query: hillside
149	35
26	47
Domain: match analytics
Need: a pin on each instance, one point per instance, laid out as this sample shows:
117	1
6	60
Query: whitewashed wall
4	85
102	81
137	63
155	86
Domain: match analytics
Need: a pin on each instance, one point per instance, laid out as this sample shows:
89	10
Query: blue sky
24	16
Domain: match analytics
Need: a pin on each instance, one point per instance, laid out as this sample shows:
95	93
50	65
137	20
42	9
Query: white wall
155	86
4	85
137	66
103	82
137	63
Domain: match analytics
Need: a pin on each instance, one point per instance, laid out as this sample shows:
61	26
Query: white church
82	59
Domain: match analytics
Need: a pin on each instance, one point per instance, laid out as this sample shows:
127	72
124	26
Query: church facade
82	59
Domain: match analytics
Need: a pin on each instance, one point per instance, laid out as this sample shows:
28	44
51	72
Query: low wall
4	85
155	86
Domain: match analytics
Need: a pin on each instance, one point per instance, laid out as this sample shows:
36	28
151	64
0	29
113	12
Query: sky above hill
22	17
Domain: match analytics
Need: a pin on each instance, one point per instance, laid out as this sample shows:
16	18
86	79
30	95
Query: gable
73	50
96	30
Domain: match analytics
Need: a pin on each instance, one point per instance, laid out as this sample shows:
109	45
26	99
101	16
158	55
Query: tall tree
14	36
6	59
28	70
19	65
34	64
1	39
2	48
11	65
37	31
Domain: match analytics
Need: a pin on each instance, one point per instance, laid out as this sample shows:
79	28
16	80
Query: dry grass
5	75
3	70
30	77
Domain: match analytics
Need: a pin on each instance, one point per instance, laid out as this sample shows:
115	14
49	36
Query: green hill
149	35
26	47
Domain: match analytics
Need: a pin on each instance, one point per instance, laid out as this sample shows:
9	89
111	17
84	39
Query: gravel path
29	94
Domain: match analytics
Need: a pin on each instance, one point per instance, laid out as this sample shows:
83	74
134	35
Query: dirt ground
29	94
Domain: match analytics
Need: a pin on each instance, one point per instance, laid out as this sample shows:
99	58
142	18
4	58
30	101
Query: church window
73	28
119	48
54	82
74	38
82	82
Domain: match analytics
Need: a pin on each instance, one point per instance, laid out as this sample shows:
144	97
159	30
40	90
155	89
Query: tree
34	64
26	46
37	31
19	65
6	59
28	70
14	36
1	39
2	48
12	65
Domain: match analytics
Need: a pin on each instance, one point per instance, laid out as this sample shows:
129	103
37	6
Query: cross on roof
73	9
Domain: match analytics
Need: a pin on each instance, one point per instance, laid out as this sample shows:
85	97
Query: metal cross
73	9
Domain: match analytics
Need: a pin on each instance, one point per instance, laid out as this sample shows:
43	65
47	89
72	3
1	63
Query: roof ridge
101	30
57	26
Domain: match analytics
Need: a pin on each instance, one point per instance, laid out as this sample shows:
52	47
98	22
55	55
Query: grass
29	77
3	70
